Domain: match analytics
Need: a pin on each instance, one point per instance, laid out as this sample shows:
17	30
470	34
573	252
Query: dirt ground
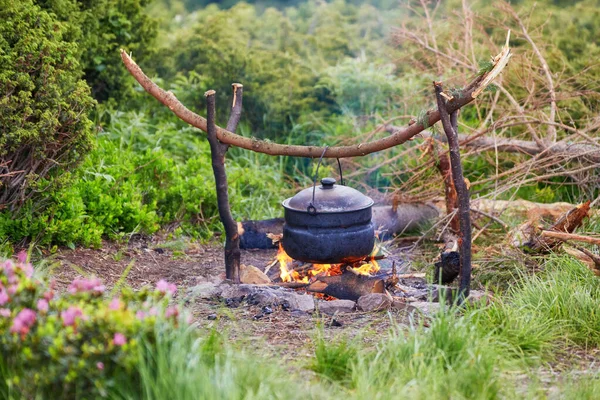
284	333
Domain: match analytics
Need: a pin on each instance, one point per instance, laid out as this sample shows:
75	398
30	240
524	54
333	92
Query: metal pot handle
311	209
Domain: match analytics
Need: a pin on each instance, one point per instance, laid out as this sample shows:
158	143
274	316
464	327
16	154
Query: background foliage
313	72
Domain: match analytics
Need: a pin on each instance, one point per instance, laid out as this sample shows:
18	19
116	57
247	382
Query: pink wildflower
4	312
70	315
153	311
42	305
93	285
115	304
119	339
3	297
22	257
27	270
165	287
171	312
23	321
9	268
100	365
140	315
12	289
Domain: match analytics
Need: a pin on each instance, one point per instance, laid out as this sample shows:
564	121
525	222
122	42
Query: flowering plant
81	341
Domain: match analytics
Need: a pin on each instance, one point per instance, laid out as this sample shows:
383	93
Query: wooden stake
450	124
217	154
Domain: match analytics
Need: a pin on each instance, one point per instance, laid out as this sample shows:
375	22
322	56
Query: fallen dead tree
585	152
541	244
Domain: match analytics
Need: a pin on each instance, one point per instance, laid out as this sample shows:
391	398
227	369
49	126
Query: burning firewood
347	286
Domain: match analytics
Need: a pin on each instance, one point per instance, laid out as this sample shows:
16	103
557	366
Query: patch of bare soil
284	333
179	262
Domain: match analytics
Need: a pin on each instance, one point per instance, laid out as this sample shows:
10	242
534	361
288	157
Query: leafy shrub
359	86
44	104
77	343
142	176
279	56
101	28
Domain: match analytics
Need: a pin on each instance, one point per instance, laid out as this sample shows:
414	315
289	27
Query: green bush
44	104
142	176
77	344
101	28
280	57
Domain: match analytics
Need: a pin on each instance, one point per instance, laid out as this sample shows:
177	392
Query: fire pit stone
374	302
336	306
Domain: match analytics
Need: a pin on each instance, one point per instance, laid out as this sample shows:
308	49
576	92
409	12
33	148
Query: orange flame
367	267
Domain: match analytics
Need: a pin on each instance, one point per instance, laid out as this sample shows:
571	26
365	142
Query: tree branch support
450	124
218	151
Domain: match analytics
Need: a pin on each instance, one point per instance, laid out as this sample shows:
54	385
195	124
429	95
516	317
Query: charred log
347	286
447	268
253	234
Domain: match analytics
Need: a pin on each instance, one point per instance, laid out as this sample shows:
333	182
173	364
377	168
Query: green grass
477	353
481	352
334	361
586	388
181	365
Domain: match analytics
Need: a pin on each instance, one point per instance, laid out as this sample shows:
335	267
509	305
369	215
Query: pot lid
329	198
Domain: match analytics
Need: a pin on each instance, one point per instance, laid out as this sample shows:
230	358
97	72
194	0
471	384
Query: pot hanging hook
311	209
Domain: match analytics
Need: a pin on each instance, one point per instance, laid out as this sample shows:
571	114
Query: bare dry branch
228	137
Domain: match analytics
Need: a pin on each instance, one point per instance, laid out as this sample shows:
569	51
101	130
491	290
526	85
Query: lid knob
327	183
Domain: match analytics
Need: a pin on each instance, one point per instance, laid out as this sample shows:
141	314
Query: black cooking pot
328	224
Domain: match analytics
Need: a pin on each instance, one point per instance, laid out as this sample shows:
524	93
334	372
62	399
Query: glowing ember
366	267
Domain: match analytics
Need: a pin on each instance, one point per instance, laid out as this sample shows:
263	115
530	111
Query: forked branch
466	96
217	154
449	122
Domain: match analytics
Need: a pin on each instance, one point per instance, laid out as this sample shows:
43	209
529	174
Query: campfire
291	271
343	281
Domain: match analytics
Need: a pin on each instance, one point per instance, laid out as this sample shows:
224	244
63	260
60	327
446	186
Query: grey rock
237	291
264	298
204	290
426	308
302	302
374	302
336	306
